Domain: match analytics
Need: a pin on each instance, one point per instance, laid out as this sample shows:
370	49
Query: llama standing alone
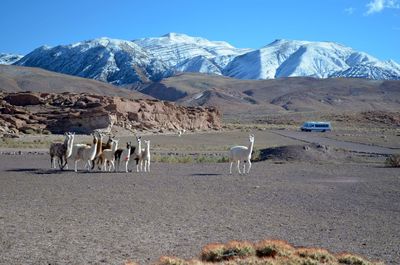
145	156
241	153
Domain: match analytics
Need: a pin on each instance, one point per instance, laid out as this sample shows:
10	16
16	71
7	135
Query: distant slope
8	58
295	94
18	78
125	62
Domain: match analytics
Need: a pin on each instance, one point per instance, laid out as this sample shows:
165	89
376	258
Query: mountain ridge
122	62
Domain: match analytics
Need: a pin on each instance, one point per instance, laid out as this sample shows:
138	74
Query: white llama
126	155
68	153
85	153
138	153
241	153
108	156
145	156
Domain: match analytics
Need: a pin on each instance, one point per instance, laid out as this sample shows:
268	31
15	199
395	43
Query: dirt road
52	217
316	137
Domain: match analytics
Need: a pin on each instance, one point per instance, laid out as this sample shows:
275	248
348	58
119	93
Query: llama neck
148	148
139	148
66	140
99	146
70	146
114	146
93	149
250	147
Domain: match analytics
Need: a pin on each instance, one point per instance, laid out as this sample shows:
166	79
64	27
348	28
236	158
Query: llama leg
148	166
248	170
51	161
141	165
76	165
238	166
244	167
230	168
126	166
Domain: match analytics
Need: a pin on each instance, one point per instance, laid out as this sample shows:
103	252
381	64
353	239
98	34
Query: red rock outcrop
82	113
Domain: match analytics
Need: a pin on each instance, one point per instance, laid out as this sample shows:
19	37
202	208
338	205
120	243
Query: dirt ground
52	217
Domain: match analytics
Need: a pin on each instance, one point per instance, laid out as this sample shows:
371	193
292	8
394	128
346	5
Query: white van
316	126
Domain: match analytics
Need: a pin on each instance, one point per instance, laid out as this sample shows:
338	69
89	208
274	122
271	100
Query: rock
83	113
23	99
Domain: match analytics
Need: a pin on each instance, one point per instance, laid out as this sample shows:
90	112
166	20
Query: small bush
239	249
213	252
315	254
393	160
171	261
273	248
351	259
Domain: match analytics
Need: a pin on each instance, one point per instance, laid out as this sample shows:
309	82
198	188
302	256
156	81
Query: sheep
107	156
84	153
241	153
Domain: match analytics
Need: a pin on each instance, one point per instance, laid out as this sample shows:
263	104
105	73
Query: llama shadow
205	174
37	171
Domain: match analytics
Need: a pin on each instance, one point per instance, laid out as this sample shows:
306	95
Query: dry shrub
239	249
171	261
129	262
273	248
351	259
213	252
316	254
393	160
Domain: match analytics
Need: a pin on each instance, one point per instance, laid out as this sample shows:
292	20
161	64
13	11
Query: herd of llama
105	155
108	157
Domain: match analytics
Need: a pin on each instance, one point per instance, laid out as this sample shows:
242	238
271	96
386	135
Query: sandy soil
52	217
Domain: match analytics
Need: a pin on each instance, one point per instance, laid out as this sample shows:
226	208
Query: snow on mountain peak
8	58
122	62
175	49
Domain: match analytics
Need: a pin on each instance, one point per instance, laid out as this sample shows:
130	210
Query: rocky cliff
29	112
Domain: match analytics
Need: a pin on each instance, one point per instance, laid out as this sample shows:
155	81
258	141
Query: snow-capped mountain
8	58
123	62
109	60
191	54
285	58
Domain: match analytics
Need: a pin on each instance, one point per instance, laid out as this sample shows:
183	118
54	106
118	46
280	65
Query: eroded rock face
83	113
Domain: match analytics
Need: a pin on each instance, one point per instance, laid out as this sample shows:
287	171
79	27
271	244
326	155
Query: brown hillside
286	95
18	79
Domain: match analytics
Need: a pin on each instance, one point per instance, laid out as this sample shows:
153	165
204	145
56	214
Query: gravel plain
54	217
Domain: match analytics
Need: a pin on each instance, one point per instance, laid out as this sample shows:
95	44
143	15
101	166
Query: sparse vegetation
189	159
19	143
266	252
393	160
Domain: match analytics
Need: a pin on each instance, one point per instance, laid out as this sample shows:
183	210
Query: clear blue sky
372	26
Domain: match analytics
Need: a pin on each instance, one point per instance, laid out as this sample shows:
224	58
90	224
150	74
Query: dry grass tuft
239	249
171	261
273	248
316	254
129	262
266	252
351	259
213	252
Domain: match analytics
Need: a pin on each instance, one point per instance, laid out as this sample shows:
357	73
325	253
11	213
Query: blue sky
372	26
